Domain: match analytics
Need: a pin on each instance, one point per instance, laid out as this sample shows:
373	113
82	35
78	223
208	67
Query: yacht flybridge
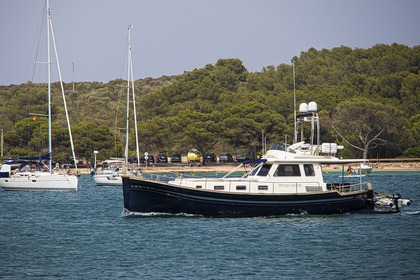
308	116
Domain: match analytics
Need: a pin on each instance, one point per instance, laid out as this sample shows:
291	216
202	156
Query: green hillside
368	101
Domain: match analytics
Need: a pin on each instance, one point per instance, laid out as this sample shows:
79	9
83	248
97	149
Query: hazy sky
173	36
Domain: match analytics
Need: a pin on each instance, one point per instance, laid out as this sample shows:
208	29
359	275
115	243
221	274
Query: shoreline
227	167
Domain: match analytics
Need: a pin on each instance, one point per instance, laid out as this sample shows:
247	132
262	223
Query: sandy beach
395	165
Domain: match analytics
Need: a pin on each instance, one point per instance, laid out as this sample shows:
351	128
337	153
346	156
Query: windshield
277	146
261	169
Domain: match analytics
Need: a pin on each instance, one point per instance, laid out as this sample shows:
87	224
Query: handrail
353	187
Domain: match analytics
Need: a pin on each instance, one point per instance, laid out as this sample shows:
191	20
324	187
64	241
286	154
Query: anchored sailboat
42	180
112	176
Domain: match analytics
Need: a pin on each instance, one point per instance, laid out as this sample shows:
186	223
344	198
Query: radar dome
303	108
312	107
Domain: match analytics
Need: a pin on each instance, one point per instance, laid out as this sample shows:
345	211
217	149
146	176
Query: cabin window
287	170
219	188
309	170
241	188
263	188
264	170
199	187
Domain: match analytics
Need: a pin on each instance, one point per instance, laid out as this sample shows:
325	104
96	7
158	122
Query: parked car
176	158
225	157
193	156
241	158
150	159
132	159
162	158
211	157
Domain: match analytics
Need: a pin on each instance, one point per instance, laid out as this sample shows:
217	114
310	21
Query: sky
173	36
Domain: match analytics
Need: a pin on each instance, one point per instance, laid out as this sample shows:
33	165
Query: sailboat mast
128	98
64	98
134	96
49	86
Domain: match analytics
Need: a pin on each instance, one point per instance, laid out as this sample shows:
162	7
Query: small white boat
363	168
110	173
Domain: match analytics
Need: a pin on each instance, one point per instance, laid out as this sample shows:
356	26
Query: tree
410	135
89	137
229	73
198	130
243	125
364	124
412	152
155	134
18	140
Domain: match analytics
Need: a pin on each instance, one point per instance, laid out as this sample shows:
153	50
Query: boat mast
127	108
294	103
62	93
49	86
132	89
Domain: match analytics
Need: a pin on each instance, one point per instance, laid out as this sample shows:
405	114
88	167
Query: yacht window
240	187
219	188
287	170
309	170
198	187
263	188
264	170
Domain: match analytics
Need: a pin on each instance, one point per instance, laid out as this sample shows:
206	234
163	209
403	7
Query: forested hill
368	100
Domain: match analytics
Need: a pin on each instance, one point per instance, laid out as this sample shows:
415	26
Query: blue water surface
83	235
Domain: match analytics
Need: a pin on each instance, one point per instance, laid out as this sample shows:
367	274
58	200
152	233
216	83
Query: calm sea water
82	235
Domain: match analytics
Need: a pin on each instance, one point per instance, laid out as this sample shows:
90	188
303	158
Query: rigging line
131	70
38	34
128	97
123	71
63	95
120	92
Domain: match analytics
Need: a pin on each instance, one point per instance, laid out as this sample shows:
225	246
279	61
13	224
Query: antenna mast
72	74
294	102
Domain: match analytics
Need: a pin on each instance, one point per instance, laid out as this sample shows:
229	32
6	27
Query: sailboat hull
40	182
107	179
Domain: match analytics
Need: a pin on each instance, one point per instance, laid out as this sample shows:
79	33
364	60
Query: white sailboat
43	180
112	176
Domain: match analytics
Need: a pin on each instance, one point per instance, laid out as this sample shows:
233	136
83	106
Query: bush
412	153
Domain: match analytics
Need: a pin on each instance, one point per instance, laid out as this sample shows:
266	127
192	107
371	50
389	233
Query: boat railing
166	176
349	187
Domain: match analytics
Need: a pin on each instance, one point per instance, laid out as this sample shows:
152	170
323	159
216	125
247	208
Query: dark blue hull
145	196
